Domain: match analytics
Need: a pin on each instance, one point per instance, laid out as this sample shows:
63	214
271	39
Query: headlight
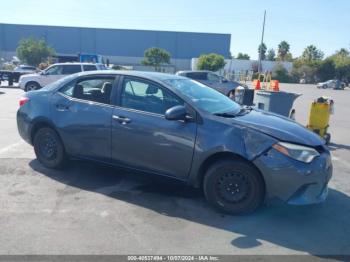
301	153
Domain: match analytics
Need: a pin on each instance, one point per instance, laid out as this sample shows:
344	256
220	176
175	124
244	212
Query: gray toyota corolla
176	127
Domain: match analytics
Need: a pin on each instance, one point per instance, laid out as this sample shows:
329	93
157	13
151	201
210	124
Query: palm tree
262	51
283	49
311	53
271	54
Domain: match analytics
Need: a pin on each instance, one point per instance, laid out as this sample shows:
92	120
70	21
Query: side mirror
224	80
43	73
176	113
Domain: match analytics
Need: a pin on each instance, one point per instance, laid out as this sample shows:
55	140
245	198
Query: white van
31	82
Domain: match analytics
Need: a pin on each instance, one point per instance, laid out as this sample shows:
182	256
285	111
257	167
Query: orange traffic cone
256	84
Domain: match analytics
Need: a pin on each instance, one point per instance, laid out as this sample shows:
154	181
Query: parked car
13	76
213	80
25	69
177	127
31	82
335	84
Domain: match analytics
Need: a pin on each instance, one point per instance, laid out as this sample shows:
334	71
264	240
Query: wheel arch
40	123
30	82
210	160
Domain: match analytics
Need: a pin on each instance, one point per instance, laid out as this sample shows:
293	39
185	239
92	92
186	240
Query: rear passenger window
71	69
93	89
146	96
89	67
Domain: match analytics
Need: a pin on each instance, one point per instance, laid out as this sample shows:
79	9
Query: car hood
279	127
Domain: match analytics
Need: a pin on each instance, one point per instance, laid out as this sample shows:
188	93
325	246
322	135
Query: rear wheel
49	148
234	186
31	86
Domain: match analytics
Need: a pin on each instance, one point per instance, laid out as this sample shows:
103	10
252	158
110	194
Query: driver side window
54	70
146	96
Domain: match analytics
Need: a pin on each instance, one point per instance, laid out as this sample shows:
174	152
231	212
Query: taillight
23	100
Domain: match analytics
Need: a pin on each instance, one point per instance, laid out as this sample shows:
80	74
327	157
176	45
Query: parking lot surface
91	209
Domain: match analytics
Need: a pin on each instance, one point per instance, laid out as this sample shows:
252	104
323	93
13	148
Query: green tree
212	62
326	70
341	60
34	51
311	54
262	51
271	55
281	74
283	50
156	57
243	56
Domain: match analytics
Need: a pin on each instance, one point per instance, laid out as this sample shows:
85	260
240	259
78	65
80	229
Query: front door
51	75
142	138
82	114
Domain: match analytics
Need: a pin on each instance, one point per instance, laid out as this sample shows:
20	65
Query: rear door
141	136
82	113
71	69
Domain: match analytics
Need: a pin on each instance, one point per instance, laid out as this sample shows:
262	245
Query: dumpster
244	96
276	102
320	112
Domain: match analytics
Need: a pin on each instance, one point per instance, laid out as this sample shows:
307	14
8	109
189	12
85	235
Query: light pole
262	41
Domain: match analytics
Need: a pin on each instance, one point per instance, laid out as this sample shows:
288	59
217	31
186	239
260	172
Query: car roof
144	74
77	63
194	71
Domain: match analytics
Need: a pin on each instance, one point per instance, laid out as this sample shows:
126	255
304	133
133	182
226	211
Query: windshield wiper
227	114
244	110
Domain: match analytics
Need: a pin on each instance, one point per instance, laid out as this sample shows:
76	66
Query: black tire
234	186
32	86
49	148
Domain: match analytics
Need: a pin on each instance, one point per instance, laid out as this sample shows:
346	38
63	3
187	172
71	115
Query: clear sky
324	23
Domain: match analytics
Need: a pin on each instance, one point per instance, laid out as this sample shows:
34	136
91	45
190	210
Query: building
120	46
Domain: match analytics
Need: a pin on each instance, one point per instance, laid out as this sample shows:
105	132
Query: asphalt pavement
91	209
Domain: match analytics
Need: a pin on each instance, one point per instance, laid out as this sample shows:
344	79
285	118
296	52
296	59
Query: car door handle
61	107
122	119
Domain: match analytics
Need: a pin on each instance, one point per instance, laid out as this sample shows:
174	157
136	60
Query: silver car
334	84
213	80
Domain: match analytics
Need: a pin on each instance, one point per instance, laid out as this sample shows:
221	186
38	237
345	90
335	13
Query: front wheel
234	186
32	86
49	148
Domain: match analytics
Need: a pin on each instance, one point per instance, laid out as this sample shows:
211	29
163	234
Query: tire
234	186
49	148
31	86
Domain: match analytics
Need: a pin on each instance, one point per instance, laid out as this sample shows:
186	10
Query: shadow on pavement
322	229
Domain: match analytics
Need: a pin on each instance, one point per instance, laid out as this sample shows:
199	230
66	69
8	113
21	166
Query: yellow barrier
320	111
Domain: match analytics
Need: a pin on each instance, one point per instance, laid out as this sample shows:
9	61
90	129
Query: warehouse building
120	46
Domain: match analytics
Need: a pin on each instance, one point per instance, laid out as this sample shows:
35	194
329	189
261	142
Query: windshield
204	97
58	83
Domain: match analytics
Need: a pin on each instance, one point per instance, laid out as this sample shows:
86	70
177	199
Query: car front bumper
21	84
295	182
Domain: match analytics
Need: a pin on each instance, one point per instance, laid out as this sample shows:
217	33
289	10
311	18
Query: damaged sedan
176	127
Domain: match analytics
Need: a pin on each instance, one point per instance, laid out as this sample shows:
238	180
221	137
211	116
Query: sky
323	23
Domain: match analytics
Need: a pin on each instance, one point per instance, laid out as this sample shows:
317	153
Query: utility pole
262	41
